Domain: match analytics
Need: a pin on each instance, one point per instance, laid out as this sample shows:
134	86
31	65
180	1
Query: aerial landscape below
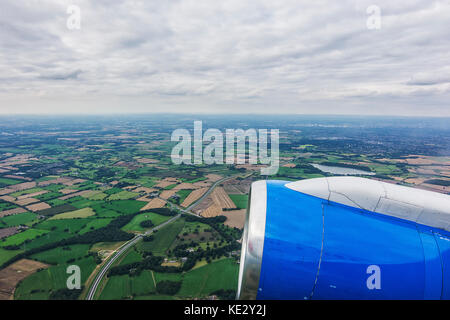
101	193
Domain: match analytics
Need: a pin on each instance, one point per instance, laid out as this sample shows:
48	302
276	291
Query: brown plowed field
13	274
154	203
163	184
23	186
31	195
144	190
213	177
26	201
235	218
67	191
6	232
6	191
221	198
193	196
238	186
38	206
12	211
79	193
202	184
166	194
185	186
212	211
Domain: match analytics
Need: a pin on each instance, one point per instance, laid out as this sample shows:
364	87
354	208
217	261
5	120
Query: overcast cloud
239	56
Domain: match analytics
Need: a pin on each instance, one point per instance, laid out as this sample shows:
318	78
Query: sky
231	56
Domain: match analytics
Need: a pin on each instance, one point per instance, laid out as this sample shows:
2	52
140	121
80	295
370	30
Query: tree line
151	262
109	233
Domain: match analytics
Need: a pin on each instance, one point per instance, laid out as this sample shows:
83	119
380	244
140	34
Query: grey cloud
234	56
430	79
62	76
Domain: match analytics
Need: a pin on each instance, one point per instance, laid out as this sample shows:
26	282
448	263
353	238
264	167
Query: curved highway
104	269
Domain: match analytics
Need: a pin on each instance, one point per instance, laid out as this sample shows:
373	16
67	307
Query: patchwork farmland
75	191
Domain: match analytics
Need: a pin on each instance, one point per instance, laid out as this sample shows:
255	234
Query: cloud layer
225	57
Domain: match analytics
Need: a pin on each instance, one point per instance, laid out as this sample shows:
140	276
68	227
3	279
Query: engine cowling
344	238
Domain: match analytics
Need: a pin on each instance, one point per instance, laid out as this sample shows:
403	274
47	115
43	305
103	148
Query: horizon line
224	114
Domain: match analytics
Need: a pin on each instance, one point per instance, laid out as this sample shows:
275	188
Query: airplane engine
344	238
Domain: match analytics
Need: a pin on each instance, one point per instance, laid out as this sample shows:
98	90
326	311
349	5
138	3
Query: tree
168	287
146	224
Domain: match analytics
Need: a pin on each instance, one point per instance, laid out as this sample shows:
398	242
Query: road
215	184
99	277
119	252
211	188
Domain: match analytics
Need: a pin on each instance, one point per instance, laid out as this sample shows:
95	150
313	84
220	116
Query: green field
25	218
127	287
201	282
21	237
9	182
133	225
61	255
200	233
240	200
71	226
49	237
96	195
124	206
39	285
386	169
48	196
102	211
80	202
5	255
167	276
123	195
81	213
296	173
222	274
112	191
183	194
131	257
27	191
94	224
6	205
190	227
163	238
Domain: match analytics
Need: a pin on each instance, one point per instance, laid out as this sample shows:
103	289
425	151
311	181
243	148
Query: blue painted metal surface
443	241
292	244
315	249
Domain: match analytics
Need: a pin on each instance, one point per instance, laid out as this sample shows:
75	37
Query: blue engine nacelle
345	238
